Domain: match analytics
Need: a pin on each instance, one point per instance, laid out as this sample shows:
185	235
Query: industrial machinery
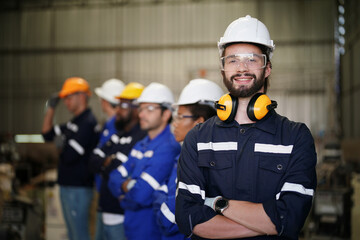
22	202
331	214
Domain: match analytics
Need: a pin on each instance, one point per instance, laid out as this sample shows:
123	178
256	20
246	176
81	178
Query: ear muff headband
226	107
259	106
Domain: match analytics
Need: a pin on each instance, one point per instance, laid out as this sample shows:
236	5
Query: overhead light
342	30
341	20
341	9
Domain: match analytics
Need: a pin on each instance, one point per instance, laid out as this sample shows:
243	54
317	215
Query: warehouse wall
44	42
350	72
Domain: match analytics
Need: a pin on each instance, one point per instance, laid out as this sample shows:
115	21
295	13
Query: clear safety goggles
127	105
179	117
148	108
251	61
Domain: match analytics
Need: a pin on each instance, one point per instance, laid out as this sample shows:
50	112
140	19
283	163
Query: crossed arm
240	219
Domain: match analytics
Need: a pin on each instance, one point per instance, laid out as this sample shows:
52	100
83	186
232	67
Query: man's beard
121	123
244	91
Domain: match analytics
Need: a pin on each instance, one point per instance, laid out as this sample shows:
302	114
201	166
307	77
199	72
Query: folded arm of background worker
287	208
164	207
155	171
108	157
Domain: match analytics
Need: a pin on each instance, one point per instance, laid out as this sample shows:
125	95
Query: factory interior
314	80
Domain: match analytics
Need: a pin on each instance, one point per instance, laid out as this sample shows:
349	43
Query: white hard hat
157	93
247	29
201	91
110	89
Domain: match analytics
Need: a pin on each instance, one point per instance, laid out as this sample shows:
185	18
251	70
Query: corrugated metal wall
43	43
350	72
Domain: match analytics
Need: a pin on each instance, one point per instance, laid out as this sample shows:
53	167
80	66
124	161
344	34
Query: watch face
221	203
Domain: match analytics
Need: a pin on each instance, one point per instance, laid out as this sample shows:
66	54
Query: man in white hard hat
107	94
248	172
149	164
111	155
195	106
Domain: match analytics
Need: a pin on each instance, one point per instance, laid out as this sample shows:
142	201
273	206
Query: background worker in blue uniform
195	105
107	95
248	172
149	164
76	140
112	154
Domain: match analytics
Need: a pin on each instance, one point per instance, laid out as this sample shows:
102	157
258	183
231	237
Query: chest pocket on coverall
218	171
271	170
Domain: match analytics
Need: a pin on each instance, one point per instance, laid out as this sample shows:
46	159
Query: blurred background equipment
336	209
22	187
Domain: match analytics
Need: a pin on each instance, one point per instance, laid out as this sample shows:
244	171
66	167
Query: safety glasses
179	117
127	105
250	61
149	108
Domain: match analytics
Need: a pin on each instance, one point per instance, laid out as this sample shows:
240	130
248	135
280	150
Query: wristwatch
221	204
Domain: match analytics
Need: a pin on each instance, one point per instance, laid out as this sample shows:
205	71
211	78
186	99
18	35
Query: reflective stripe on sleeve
137	154
167	213
150	180
57	130
122	157
125	140
218	146
115	138
293	187
76	146
72	126
271	148
98	151
122	170
148	153
194	189
163	188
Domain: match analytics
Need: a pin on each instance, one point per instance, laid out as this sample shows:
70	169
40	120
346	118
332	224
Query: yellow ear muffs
226	107
259	106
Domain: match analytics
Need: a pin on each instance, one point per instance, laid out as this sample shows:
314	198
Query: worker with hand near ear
76	139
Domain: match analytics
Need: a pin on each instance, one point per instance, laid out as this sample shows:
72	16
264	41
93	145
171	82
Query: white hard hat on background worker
110	89
157	93
201	91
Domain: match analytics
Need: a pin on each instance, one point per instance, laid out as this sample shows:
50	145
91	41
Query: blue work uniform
271	162
150	163
80	137
108	130
118	147
164	208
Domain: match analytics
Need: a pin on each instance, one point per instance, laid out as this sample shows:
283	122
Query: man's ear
167	115
200	120
268	69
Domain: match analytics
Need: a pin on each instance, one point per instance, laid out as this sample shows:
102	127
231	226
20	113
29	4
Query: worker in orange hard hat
75	139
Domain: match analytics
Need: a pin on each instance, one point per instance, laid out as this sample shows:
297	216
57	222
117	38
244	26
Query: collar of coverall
266	124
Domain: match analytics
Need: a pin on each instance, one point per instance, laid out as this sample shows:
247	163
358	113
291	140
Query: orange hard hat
73	85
